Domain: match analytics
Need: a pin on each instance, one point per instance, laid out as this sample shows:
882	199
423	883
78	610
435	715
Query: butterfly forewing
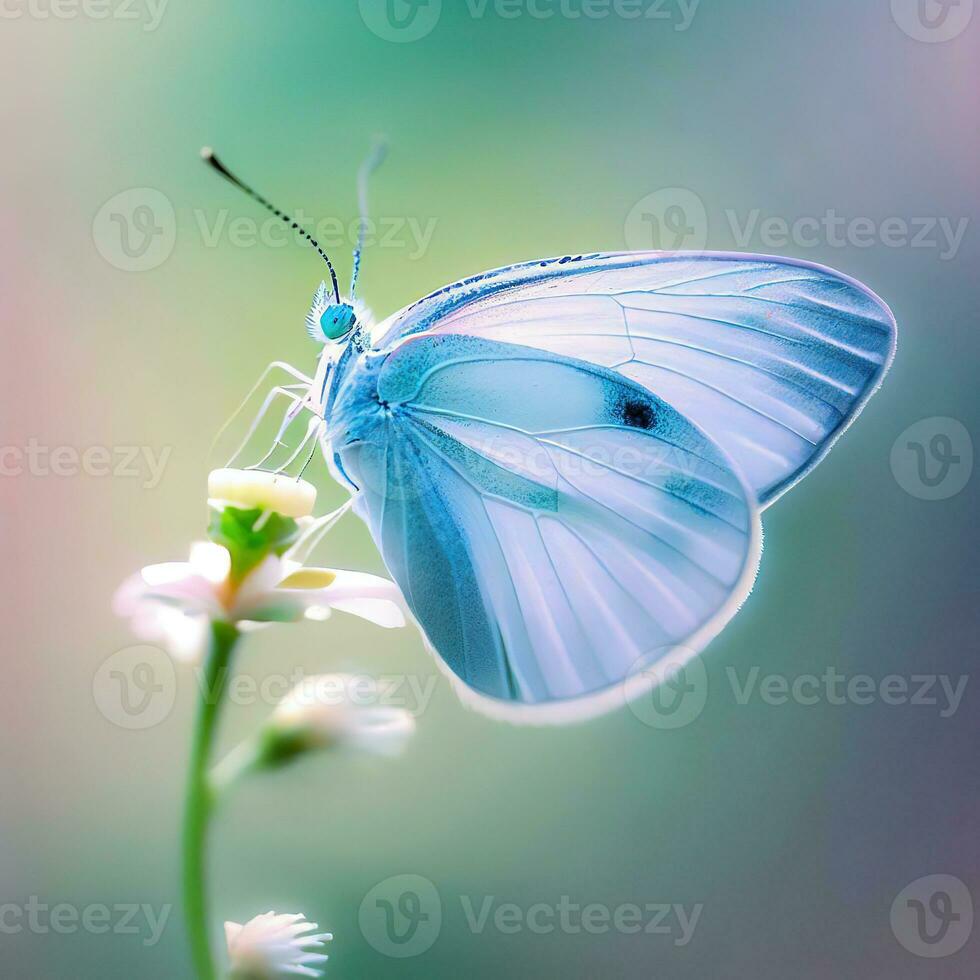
772	358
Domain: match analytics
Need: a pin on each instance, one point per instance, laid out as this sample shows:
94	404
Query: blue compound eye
337	320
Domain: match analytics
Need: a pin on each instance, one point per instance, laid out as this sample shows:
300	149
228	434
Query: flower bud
336	710
257	488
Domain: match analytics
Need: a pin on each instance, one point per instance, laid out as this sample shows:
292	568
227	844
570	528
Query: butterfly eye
337	320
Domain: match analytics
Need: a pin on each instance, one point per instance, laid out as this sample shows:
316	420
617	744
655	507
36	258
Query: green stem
199	801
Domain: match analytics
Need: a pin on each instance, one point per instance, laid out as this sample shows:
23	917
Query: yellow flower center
308	578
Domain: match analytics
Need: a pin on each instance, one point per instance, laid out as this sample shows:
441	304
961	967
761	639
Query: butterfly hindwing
552	523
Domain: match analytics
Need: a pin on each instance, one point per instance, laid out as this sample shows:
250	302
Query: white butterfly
563	462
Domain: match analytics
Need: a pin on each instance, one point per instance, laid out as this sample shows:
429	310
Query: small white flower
271	946
173	603
346	711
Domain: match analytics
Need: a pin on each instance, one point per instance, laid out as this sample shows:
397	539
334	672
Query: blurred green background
794	827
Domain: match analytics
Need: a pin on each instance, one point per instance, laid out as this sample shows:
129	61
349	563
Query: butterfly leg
288	418
297	398
312	430
274	366
312	453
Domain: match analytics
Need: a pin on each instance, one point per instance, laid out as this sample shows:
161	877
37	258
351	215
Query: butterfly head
330	322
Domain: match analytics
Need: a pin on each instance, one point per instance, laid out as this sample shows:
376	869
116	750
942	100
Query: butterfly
564	462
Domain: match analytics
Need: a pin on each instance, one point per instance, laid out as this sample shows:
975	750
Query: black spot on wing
637	414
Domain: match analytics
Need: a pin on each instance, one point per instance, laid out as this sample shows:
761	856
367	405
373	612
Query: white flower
271	946
173	603
346	711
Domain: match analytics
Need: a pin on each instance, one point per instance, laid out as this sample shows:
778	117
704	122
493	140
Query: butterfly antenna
374	160
209	157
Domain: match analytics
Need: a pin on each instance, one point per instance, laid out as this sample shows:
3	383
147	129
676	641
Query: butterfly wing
771	358
555	527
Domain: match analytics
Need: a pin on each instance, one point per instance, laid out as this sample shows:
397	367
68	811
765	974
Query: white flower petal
371	597
167	573
272	946
211	561
318	614
381	612
260	582
185	637
316	590
383	731
172	585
